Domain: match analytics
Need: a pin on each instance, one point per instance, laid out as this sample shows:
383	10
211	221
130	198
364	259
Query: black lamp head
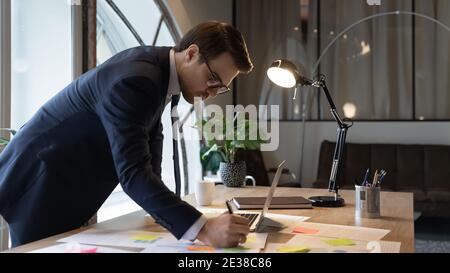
284	73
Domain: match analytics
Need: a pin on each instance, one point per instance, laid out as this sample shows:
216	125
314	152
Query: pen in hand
229	206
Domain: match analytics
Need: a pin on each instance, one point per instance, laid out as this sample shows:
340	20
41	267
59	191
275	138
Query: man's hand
227	230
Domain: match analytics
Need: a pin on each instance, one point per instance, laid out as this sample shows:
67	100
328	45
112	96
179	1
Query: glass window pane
104	49
369	69
115	34
432	53
283	34
41	55
144	15
164	37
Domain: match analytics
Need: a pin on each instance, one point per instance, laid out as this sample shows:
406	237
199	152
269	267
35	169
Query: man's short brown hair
214	38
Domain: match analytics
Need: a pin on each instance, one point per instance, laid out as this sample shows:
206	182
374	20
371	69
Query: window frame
5	90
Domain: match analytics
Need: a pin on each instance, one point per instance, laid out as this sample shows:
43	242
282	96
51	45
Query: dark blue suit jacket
102	129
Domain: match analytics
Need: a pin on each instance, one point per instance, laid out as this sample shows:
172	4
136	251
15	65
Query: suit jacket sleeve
125	111
156	148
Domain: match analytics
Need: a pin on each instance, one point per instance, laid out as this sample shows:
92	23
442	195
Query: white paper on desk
388	247
348	232
255	242
283	248
289	221
132	238
285	219
79	248
195	247
318	244
211	212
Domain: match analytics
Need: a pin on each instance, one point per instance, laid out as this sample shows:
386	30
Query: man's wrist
202	234
192	233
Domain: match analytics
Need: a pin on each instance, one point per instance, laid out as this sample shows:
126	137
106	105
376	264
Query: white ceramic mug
204	192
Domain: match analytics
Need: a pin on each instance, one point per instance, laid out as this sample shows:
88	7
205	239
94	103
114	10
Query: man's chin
192	99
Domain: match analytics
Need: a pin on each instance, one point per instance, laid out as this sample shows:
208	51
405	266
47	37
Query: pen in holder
367	202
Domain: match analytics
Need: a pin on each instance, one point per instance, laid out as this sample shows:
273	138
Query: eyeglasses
221	88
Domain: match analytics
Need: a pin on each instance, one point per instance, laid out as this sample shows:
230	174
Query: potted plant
4	141
222	149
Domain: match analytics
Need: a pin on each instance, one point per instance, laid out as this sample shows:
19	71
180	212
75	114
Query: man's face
205	78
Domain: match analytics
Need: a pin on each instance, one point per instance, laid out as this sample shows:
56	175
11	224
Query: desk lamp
285	74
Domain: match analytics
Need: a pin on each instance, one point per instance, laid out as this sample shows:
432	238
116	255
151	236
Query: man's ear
192	53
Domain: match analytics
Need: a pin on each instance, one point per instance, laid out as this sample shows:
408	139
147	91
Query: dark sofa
421	169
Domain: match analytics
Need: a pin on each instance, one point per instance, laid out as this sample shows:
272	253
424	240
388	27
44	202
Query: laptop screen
272	188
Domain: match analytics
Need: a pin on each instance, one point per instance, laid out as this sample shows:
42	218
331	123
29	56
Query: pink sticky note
89	250
305	230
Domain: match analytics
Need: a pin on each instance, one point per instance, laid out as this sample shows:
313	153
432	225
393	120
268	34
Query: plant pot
233	174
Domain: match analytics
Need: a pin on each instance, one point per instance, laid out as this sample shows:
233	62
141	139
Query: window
5	91
41	55
113	36
387	62
39	47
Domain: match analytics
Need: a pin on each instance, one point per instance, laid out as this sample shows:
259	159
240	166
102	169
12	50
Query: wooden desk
396	210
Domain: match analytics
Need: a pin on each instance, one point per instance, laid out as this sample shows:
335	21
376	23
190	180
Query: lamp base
327	201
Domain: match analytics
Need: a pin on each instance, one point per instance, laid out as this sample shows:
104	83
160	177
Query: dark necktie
176	161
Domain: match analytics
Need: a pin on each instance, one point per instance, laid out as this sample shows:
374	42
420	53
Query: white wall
361	132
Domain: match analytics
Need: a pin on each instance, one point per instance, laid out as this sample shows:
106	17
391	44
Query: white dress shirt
173	90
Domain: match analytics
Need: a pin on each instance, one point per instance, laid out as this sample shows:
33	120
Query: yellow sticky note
251	238
340	242
145	237
293	249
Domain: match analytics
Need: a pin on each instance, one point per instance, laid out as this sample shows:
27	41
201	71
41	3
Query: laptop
259	221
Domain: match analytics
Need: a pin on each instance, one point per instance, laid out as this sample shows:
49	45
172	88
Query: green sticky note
340	242
293	249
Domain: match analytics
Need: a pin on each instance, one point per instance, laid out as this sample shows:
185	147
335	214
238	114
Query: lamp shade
283	73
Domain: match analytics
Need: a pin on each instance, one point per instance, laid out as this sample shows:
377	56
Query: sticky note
145	237
305	230
251	239
201	248
89	250
236	249
293	249
340	242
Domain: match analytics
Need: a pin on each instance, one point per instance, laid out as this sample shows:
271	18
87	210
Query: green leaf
200	123
211	162
241	133
214	148
3	142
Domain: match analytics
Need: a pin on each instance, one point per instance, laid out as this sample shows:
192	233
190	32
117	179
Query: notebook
294	202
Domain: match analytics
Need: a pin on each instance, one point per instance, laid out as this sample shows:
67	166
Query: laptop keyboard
250	216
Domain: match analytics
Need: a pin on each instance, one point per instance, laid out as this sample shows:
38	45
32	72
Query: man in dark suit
105	128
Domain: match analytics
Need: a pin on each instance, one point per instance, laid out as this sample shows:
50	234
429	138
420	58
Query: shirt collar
174	84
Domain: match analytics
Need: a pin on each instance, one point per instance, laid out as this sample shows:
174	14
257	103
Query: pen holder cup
367	202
